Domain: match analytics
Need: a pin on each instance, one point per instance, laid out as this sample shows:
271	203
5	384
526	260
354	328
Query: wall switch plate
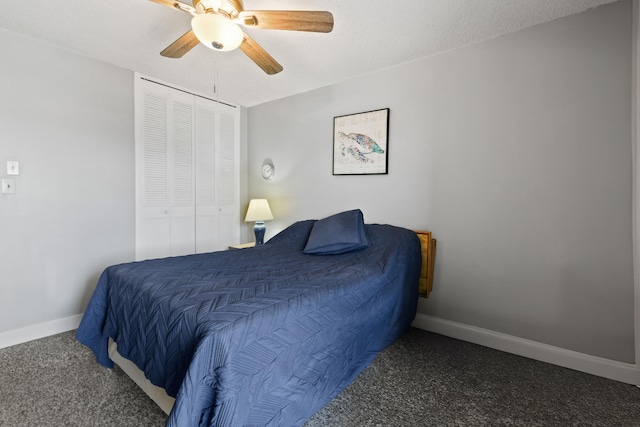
13	167
8	186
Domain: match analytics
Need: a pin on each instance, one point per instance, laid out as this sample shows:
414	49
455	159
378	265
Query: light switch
13	167
8	186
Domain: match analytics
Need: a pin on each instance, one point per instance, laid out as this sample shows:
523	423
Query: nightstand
243	245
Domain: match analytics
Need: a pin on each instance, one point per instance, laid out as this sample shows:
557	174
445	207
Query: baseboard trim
41	330
619	371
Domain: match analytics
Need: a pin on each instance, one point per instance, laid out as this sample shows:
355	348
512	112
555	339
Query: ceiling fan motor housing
228	8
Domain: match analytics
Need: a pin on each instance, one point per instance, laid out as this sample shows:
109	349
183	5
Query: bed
260	336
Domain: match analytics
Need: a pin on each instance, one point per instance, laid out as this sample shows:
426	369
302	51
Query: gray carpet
424	379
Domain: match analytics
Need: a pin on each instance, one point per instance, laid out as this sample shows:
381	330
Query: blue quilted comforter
261	336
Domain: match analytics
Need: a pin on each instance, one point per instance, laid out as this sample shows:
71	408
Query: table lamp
259	212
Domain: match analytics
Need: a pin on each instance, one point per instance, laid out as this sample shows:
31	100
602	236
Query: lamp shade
258	211
216	32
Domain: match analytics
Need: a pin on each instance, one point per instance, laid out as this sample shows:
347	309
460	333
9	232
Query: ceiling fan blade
184	44
294	20
174	4
260	56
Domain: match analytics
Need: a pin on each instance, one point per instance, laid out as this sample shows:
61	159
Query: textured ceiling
368	35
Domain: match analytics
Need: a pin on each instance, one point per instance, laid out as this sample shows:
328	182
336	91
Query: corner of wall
636	178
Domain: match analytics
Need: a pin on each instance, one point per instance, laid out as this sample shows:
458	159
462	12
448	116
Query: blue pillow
337	234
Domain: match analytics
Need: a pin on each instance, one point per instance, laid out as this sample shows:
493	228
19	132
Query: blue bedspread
260	336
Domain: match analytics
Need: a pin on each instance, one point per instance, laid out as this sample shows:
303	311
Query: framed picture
361	143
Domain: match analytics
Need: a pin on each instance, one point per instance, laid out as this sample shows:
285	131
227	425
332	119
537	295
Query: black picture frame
361	143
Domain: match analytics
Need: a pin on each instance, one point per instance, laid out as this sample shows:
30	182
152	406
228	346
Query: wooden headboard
428	262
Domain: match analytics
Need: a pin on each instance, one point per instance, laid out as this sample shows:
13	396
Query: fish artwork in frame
361	143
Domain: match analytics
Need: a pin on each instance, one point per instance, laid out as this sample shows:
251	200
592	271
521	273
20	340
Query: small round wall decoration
268	170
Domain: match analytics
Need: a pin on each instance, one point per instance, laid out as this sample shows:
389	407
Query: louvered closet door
227	185
206	143
217	192
181	153
165	217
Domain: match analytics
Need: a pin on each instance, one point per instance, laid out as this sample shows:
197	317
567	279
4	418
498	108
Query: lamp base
259	230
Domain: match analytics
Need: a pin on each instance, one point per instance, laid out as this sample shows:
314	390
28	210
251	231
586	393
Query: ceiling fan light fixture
216	32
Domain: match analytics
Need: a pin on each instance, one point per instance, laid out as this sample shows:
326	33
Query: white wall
515	152
68	120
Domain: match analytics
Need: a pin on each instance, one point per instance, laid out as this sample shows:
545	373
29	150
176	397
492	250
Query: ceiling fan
215	23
